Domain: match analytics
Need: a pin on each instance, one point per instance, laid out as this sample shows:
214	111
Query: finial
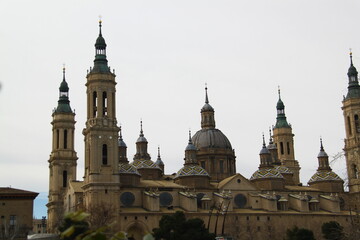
190	141
321	145
158	151
264	145
120	133
141	129
351	61
206	95
100	24
279	91
270	139
63	71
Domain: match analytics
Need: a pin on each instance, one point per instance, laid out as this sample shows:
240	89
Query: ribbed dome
100	42
127	168
266	173
191	170
211	138
321	176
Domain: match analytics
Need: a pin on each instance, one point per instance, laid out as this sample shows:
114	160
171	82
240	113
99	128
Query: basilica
139	193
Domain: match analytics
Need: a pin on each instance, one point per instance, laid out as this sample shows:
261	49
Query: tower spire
141	129
321	145
206	95
353	87
281	121
100	62
63	102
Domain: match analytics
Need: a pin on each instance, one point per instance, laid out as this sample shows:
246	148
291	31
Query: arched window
104	154
65	139
281	148
349	125
357	123
64	178
105	103
94	104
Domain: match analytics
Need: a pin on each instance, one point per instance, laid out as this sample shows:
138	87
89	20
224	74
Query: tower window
357	123
202	164
221	166
94	104
104	154
105	103
355	171
57	138
349	125
64	178
65	139
281	148
288	147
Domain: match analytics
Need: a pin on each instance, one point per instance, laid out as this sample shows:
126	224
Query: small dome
266	173
121	143
271	146
321	176
64	86
190	147
145	164
264	150
322	154
191	170
141	139
159	162
127	168
280	104
283	169
207	107
352	70
211	138
100	42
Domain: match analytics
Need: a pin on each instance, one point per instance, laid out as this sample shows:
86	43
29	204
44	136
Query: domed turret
324	178
192	175
159	162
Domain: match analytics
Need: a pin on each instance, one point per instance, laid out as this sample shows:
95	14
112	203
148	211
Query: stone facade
140	193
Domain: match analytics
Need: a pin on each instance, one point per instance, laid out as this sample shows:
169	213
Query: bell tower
284	141
101	180
351	111
62	162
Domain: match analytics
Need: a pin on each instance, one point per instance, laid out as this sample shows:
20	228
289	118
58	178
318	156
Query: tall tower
62	162
101	183
351	110
284	141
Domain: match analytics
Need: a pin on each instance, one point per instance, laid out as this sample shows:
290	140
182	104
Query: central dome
211	138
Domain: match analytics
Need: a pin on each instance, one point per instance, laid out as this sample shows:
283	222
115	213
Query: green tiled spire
63	103
353	88
281	118
100	62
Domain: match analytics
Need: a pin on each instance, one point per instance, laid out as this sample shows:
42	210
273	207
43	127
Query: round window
127	199
240	200
166	199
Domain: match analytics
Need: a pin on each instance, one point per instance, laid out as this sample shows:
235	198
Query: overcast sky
163	53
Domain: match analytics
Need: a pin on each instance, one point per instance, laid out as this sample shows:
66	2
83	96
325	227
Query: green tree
176	227
332	231
299	234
